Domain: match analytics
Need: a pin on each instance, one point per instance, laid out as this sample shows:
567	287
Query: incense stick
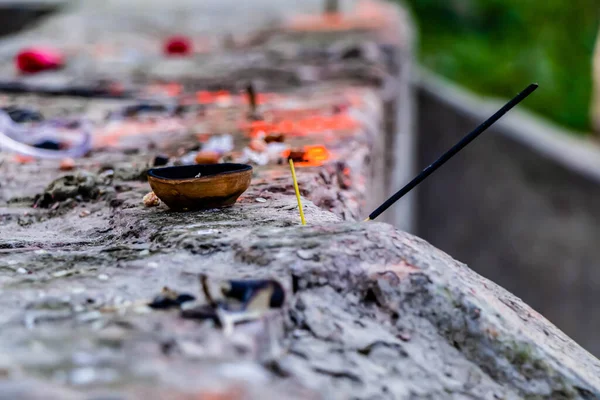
452	151
251	98
297	191
251	92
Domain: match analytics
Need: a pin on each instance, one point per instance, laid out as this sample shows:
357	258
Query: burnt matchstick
452	152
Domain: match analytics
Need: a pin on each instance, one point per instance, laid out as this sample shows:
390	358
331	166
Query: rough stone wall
519	206
370	312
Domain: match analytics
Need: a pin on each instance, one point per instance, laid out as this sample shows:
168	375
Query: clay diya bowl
218	185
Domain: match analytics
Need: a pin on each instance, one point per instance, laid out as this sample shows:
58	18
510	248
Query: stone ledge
371	312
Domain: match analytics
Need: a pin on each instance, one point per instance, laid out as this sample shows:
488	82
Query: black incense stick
450	153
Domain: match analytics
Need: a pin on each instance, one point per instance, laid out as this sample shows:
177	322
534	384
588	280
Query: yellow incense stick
297	191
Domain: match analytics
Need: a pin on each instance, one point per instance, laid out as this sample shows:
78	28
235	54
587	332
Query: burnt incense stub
201	186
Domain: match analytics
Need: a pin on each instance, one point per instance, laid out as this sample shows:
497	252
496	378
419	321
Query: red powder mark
318	124
286	126
222	96
211	97
35	59
204	97
203	137
368	15
112	136
177	46
116	88
170	89
305	126
21	159
173	89
208	97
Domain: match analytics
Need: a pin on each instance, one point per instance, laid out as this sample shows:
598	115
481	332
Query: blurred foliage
497	47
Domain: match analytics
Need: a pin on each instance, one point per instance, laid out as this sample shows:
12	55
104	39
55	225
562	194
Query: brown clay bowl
219	185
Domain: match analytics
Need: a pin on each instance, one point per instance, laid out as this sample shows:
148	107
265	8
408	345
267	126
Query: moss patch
497	47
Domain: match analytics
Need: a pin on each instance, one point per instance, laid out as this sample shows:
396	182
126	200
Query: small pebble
151	200
84	213
21	159
103	277
22	271
207	157
261	200
67	164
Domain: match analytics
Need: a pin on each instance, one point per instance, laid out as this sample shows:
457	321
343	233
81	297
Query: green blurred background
497	47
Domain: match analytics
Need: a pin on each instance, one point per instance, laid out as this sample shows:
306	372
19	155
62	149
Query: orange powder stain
368	15
111	136
314	156
22	159
173	89
301	127
203	137
170	89
205	97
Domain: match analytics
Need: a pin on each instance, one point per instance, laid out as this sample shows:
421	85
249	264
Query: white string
12	133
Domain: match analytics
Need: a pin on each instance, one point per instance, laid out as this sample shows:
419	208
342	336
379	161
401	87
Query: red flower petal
35	59
178	45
